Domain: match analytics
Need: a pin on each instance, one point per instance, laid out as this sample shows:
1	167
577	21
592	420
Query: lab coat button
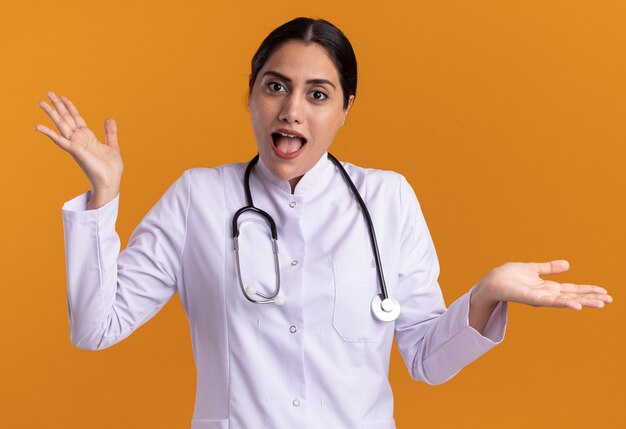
296	403
292	329
294	262
292	204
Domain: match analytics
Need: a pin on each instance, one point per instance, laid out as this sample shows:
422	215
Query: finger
63	128
590	302
574	288
62	142
552	267
598	297
579	301
110	130
566	302
588	296
80	122
58	104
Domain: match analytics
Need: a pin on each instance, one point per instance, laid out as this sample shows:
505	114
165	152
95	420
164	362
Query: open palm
521	282
102	163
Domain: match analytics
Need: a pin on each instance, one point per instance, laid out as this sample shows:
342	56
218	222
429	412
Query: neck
293	182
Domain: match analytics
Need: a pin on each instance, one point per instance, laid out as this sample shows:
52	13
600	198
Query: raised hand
102	163
521	282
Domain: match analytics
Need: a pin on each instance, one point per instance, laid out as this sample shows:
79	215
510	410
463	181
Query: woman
317	354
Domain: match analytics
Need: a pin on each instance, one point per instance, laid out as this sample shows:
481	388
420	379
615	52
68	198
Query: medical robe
318	360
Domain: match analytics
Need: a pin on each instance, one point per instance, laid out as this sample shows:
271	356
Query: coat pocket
355	287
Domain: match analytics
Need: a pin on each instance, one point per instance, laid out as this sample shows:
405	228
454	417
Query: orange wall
506	117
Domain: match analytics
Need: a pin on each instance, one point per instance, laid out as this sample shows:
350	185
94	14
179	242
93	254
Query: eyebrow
288	80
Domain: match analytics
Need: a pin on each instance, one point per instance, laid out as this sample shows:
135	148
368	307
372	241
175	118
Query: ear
345	113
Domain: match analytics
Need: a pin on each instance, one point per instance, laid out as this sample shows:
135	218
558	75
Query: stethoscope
384	307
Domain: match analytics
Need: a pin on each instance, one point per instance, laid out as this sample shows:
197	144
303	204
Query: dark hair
309	31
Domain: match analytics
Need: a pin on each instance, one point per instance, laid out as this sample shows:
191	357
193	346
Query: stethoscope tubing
370	225
251	208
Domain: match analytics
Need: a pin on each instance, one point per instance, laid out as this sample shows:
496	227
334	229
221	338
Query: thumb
552	267
110	131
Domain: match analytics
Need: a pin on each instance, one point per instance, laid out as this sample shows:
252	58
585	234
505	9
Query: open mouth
287	145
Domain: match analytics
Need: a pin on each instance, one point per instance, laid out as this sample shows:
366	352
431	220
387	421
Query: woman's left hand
521	282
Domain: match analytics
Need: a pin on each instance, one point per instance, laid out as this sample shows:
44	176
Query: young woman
293	301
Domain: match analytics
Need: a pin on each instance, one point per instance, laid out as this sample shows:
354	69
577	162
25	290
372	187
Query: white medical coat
319	360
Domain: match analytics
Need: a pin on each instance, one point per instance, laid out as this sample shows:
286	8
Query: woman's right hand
102	163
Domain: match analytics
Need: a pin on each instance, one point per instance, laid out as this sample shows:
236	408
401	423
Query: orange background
506	117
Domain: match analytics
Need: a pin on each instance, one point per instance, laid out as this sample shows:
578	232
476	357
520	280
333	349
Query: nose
292	110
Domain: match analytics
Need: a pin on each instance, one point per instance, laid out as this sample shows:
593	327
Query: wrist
483	297
98	199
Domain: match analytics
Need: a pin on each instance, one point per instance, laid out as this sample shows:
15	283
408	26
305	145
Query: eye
319	95
275	86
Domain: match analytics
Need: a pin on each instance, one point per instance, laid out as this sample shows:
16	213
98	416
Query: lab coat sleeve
110	294
435	342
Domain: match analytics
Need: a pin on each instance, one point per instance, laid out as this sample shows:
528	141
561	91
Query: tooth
293	136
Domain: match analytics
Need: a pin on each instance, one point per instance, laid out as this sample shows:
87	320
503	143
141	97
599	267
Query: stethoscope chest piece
386	310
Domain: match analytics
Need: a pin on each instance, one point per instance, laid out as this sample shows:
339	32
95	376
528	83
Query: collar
312	179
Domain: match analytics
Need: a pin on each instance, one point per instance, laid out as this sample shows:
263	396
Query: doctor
314	355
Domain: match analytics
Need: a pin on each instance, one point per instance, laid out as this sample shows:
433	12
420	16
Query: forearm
436	350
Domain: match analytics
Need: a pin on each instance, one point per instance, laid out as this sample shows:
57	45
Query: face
296	107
